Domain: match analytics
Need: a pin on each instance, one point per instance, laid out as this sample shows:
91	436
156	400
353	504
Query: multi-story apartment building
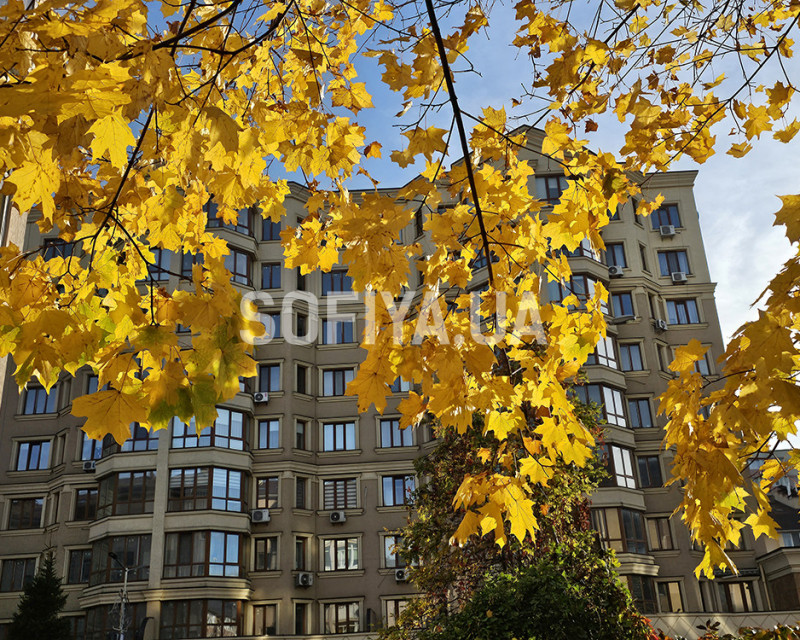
281	519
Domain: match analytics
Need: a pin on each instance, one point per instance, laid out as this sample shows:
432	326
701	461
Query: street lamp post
123	624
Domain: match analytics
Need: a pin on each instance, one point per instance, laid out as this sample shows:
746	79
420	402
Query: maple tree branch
462	135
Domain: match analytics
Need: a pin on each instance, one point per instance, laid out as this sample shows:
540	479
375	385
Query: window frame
83	568
240	273
42	448
615	255
351	623
336	281
170	610
268	492
619	295
678	308
213	436
219	490
271	440
335	384
673	258
27	516
397	438
339	435
405	483
668	214
49	404
631	354
340	548
271	275
343	493
636	416
110	488
201	545
649	471
23	571
659	533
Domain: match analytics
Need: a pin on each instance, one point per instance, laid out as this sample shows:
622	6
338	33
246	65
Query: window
341	617
669	597
339	494
659	534
90	449
397	490
266	554
26	513
619	462
270	230
622	304
200	619
80	565
339	436
649	471
269	377
337	331
394	608
300	553
85	504
581	286
392	559
401	386
340	554
393	436
142	439
604	353
301	434
639	413
300	492
419	222
37	400
301	378
131	551
272	326
643	258
670	262
269	434
336	282
242	224
550	188
267	492
614	216
630	356
227	432
334	381
667	214
126	493
703	366
17	573
159	268
608	398
682	311
301	280
33	455
620	529
100	621
736	597
200	488
238	263
265	619
271	275
301	325
57	248
188	260
643	593
584	250
202	553
615	255
790	538
77	627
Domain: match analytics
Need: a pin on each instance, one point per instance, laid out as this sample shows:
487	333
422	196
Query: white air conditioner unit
667	230
304	579
661	325
337	516
259	515
401	575
678	277
262	397
614	271
89	466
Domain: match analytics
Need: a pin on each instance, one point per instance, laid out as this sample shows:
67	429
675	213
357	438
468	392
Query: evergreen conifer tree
37	615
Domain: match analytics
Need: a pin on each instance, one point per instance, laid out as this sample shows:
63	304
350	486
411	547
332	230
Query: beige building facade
280	520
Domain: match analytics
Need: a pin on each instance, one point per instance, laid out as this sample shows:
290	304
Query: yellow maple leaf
113	136
110	411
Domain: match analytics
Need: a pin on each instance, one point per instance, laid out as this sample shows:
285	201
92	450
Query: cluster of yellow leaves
120	135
